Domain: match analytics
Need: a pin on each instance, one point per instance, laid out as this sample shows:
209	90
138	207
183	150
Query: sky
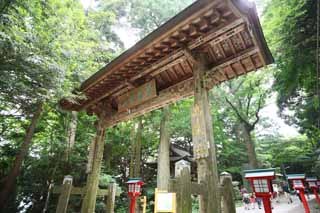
270	111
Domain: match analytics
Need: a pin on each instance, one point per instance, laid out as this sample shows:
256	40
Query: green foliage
279	151
290	28
148	15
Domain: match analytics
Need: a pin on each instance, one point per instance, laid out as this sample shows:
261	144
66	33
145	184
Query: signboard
165	202
137	96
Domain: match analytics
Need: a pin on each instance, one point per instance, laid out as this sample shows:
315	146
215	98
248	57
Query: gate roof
227	32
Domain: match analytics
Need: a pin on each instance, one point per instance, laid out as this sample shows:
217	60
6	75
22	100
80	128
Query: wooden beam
174	93
228	34
148	70
198	9
168	66
176	54
217	73
213	35
235	58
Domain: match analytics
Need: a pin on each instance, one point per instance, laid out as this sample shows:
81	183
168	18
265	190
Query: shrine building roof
296	176
311	179
258	173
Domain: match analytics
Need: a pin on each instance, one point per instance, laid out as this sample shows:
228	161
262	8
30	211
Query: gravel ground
284	207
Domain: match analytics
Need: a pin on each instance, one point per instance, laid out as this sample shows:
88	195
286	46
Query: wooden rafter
167	55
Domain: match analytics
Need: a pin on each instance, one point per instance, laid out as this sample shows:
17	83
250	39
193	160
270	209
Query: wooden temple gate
210	42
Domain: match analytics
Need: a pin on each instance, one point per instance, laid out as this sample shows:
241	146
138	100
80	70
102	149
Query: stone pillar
65	195
164	153
92	186
204	147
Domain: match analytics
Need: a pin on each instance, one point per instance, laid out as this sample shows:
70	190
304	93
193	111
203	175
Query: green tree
47	48
243	99
290	28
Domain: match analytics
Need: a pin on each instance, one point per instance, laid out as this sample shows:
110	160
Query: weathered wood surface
183	89
64	197
163	171
184	202
137	96
202	136
111	197
89	201
165	97
184	188
227	194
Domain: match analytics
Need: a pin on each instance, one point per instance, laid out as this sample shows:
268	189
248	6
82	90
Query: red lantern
313	184
297	181
134	191
261	184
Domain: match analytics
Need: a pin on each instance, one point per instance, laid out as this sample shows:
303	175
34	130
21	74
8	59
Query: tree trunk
108	156
252	156
10	180
71	135
72	130
135	163
164	152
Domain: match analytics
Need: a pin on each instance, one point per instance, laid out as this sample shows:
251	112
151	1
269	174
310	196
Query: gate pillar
203	144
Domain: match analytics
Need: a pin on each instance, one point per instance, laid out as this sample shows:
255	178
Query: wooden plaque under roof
227	32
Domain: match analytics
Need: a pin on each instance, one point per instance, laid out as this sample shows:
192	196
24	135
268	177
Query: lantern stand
260	181
297	181
313	184
134	191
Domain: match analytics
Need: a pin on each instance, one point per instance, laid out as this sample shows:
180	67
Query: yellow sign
165	202
137	96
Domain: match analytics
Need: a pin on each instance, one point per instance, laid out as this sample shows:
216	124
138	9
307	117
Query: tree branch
238	113
257	111
249	97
